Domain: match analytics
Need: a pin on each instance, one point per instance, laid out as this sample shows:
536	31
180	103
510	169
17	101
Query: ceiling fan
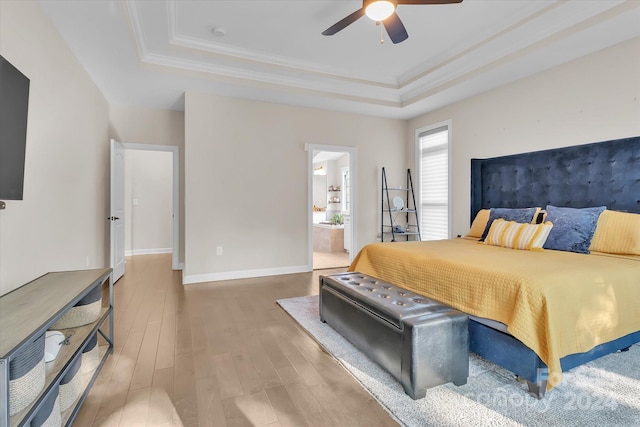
383	11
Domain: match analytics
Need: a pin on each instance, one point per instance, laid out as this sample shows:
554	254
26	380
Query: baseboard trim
188	279
148	251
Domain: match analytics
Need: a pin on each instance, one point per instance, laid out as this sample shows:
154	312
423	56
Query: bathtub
328	237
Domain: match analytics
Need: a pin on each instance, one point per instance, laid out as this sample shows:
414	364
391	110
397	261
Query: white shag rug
604	392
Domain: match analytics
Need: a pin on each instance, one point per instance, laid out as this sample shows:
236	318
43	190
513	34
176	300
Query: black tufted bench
418	340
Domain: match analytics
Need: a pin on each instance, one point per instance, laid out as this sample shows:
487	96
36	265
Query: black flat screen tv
14	104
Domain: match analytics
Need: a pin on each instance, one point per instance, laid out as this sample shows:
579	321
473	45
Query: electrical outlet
219	250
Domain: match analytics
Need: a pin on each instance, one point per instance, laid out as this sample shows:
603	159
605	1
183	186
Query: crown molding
455	71
377	95
135	25
326	83
471	59
260	58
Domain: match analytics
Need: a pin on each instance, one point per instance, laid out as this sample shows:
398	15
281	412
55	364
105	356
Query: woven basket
70	386
26	375
86	311
90	355
49	413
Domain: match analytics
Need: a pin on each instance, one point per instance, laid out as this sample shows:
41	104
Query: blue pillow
572	228
518	215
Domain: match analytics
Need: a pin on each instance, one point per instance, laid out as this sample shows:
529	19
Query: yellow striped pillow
516	235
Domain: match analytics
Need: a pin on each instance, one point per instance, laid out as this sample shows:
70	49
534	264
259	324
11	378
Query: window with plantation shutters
433	169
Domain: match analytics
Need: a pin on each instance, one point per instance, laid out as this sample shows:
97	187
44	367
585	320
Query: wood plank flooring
325	260
219	354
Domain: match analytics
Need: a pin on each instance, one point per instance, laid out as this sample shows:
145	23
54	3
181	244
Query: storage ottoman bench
418	340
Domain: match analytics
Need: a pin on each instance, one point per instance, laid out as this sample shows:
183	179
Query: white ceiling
323	156
148	53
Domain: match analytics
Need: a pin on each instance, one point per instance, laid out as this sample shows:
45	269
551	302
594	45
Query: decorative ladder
411	213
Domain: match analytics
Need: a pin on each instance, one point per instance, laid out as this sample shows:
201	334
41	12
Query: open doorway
148	207
148	194
332	194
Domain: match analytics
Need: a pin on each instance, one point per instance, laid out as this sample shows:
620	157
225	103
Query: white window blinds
433	162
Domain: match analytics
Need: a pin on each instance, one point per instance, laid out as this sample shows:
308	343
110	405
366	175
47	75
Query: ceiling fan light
380	10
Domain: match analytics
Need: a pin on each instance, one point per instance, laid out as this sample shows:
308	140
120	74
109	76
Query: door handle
113	218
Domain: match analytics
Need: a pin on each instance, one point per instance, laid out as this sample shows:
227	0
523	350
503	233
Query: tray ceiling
148	53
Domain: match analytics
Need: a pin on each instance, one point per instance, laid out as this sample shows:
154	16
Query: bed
536	313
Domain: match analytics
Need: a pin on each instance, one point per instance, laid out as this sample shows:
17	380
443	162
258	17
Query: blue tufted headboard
599	174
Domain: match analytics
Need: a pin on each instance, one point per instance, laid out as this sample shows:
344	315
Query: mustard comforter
556	303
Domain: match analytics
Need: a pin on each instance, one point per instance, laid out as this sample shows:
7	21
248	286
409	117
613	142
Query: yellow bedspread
556	303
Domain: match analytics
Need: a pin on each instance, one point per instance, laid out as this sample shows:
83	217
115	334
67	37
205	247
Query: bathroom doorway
332	217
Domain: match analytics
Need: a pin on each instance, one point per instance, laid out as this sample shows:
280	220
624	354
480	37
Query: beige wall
148	182
595	98
146	125
247	176
61	223
152	126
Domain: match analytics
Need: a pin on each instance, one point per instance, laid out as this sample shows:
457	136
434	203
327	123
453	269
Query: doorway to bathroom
331	223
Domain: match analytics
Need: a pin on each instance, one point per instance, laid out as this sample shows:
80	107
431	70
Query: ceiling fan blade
395	28
428	1
343	23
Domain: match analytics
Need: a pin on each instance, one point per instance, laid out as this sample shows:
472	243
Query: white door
117	209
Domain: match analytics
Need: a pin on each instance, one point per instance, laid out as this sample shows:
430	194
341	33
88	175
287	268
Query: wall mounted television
14	104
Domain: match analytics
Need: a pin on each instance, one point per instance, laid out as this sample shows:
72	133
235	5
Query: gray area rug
604	392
